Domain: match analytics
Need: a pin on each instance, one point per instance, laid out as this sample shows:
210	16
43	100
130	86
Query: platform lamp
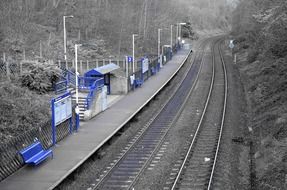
177	31
180	24
134	36
171	35
171	27
158	47
65	36
77	109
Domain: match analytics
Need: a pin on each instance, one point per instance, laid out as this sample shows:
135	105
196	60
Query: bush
40	77
21	110
245	46
278	48
240	39
252	55
276	39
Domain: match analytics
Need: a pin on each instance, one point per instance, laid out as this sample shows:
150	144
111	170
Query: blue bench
34	154
138	82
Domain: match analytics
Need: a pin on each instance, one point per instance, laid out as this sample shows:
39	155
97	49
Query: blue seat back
31	150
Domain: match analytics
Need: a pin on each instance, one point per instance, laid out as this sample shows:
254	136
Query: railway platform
74	150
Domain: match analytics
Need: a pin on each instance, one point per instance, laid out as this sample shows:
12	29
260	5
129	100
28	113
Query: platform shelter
103	72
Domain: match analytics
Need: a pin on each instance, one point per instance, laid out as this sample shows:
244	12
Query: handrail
71	77
93	89
86	82
62	83
60	86
68	71
83	82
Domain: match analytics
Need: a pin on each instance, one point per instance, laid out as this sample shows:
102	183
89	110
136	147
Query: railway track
199	163
123	173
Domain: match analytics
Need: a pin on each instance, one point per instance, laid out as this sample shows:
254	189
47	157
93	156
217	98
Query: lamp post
171	27
134	35
171	35
133	76
65	35
180	24
177	31
77	110
158	50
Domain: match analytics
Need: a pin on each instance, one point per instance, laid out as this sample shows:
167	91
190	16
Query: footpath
71	152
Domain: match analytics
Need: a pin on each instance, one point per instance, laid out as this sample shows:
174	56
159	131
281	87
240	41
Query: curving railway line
199	164
200	97
125	171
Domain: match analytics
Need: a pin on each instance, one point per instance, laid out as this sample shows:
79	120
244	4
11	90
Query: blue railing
71	78
86	83
93	91
61	87
91	84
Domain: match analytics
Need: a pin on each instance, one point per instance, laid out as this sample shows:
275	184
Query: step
79	100
80	97
82	102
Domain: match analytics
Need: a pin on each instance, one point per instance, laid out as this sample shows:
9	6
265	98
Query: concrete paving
112	99
75	149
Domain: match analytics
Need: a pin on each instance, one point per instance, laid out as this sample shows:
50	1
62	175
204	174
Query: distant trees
263	23
260	28
113	20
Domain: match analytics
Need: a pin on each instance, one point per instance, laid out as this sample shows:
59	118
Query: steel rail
223	117
199	126
99	183
180	110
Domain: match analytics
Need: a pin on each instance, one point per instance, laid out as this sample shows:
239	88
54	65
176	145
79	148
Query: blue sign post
132	77
61	112
130	59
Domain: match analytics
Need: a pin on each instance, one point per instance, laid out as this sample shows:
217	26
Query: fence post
7	70
7	66
127	67
81	66
110	61
67	67
88	67
97	63
41	55
59	63
21	67
124	64
24	54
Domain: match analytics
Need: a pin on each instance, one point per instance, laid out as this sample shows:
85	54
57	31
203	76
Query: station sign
61	112
145	65
62	108
231	44
130	59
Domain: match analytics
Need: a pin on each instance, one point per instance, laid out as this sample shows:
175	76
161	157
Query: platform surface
76	148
